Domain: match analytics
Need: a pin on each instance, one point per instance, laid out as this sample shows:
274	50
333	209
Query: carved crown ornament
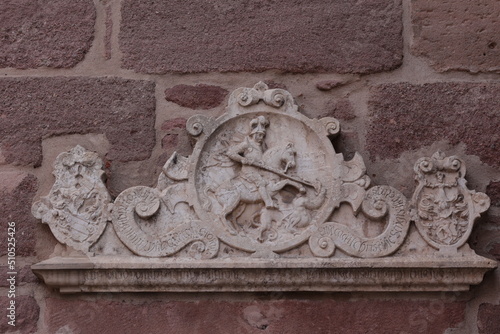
264	203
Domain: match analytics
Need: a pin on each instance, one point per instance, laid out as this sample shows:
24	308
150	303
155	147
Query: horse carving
276	162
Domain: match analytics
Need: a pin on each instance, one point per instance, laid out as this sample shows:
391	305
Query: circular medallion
264	180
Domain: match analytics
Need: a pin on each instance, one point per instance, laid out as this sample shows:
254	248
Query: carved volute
263	197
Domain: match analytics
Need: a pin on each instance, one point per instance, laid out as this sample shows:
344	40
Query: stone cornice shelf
136	274
264	203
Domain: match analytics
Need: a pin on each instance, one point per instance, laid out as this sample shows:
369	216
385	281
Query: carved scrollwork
265	183
379	202
147	207
321	244
331	125
196	124
354	182
127	222
275	98
249	96
263	179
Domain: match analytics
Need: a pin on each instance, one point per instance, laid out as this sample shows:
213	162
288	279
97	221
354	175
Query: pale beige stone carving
444	210
380	201
263	203
77	207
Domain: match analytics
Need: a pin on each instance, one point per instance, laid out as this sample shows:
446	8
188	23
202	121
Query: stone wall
120	77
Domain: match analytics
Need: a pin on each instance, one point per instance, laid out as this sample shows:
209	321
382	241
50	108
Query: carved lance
280	173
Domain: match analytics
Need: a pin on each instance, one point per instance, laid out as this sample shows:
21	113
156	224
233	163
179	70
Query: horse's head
288	156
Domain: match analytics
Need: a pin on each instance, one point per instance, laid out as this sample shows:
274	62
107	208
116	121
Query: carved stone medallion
263	175
264	203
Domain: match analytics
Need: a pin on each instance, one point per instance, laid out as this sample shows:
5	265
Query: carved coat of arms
263	179
263	203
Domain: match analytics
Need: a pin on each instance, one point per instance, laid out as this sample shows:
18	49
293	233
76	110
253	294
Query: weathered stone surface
196	97
457	34
326	85
275	84
109	32
173	124
271	316
176	138
488	318
237	273
200	36
17	190
493	191
240	159
445	221
406	117
45	33
494	250
263	179
485	238
342	110
36	108
24	275
27	313
78	206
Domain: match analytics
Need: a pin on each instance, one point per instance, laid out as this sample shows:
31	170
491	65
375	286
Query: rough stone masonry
117	76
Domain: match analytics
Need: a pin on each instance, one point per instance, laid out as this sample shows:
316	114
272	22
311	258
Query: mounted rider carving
249	153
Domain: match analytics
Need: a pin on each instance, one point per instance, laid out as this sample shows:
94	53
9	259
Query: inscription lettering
266	186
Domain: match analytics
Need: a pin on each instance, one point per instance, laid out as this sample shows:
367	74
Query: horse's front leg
228	208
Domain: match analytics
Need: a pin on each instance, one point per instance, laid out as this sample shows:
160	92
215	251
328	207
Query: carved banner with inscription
263	189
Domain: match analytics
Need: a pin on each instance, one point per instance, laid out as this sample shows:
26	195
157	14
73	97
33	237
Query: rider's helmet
259	125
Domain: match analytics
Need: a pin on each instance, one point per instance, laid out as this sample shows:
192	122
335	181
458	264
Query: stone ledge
115	274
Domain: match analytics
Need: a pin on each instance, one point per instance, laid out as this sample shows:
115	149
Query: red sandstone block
406	117
494	250
16	195
51	33
273	316
485	236
493	190
24	275
175	138
294	36
271	84
488	319
342	110
196	97
27	313
176	123
457	34
326	85
36	108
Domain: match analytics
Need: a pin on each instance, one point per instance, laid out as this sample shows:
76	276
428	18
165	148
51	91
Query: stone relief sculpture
78	206
444	209
263	182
